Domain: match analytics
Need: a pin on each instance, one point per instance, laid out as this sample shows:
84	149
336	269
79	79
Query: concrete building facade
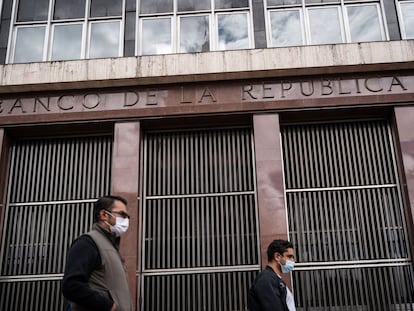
225	124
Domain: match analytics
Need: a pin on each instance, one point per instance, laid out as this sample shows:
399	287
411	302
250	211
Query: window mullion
87	30
383	21
122	30
307	25
400	19
175	44
214	31
251	25
12	34
346	26
48	39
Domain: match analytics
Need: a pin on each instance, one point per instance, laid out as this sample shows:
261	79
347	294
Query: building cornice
208	66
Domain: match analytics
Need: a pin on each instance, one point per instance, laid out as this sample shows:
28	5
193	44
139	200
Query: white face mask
120	227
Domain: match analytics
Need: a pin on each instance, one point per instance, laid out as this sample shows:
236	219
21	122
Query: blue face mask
288	266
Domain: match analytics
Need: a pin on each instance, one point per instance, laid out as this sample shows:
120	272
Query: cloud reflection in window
407	10
29	44
156	36
324	26
233	31
194	34
104	40
364	23
67	42
286	28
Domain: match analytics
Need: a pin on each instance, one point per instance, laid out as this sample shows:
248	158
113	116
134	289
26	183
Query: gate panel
200	220
346	217
52	186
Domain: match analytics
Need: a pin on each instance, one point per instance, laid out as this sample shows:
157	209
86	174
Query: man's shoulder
268	275
84	246
84	240
269	272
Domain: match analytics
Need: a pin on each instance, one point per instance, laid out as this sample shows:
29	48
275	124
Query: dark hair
106	203
277	246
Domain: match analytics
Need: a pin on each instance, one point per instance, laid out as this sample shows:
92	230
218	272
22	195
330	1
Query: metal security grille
346	218
52	185
200	249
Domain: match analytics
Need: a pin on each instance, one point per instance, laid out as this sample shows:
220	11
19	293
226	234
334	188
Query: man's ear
277	257
103	215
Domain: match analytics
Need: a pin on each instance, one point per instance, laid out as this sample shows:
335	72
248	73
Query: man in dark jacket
95	277
269	292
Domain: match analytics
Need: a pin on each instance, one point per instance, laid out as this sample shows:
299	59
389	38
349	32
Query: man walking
269	292
95	277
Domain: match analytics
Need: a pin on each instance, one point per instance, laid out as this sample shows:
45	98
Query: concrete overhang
208	66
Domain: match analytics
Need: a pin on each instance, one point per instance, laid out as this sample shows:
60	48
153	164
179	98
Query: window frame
400	15
269	33
216	30
140	43
381	18
341	6
15	29
210	35
52	39
89	37
308	27
49	24
175	28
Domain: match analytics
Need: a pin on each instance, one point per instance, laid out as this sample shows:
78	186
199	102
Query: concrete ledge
210	66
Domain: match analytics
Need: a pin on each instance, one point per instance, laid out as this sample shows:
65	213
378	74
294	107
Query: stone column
404	117
4	164
125	182
270	187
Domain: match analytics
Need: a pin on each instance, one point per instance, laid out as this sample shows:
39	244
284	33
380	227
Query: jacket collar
109	235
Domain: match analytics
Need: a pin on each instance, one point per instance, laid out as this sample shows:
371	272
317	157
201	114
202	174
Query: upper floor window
64	30
299	22
180	26
406	17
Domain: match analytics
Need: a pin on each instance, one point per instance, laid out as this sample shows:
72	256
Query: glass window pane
286	28
67	42
364	23
102	8
104	40
194	34
325	26
31	10
283	2
29	44
228	4
233	31
407	10
156	6
69	9
193	5
156	36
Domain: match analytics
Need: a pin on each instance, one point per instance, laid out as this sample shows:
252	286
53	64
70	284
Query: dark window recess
193	5
227	4
321	1
30	10
102	8
69	9
283	2
156	6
